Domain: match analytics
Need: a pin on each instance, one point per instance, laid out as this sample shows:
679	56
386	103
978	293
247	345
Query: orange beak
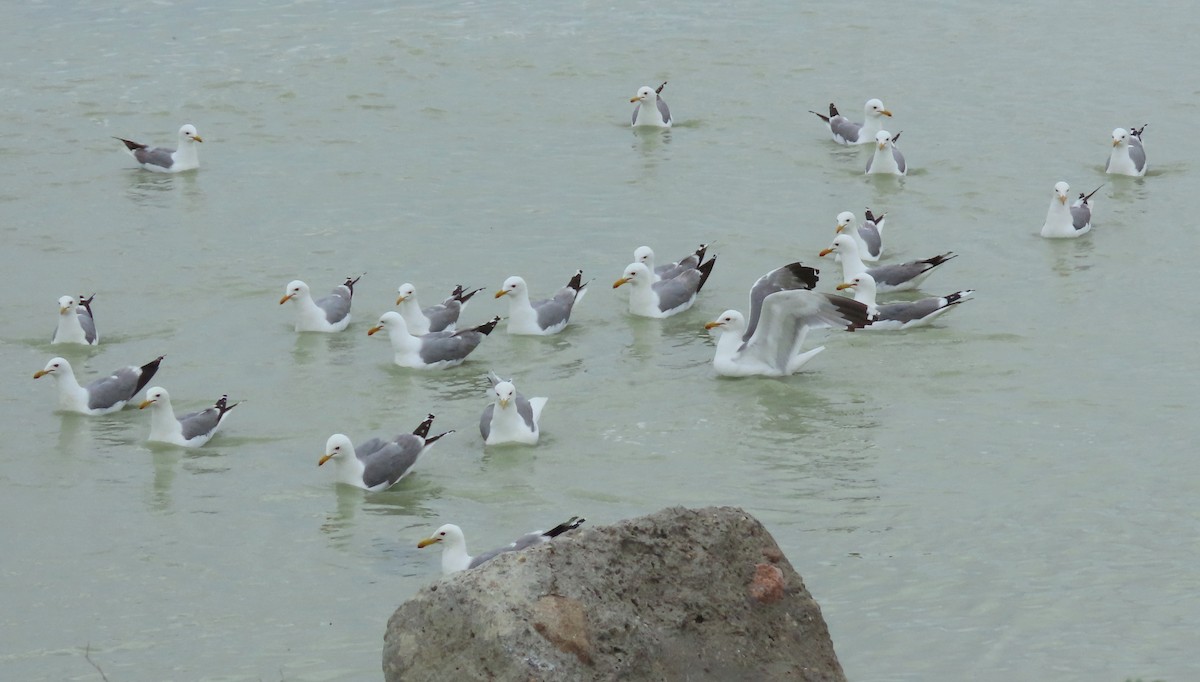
285	299
825	252
619	282
372	330
427	542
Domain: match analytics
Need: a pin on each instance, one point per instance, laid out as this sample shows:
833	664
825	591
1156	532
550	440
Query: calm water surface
1008	495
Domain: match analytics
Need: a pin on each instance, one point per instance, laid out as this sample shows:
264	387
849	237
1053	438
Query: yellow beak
844	285
400	299
372	330
62	310
1116	142
502	292
324	458
825	252
882	146
714	324
635	99
145	404
887	113
285	299
40	373
197	138
427	542
1062	198
619	282
504	402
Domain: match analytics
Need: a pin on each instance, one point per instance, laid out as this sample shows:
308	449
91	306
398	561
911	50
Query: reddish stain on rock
767	584
772	554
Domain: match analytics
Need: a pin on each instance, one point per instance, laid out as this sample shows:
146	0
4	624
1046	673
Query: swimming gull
845	131
902	314
328	314
163	160
782	311
899	277
644	114
1128	156
886	159
75	321
379	464
102	396
666	297
435	318
435	350
868	236
192	429
511	417
454	544
544	317
644	254
1063	221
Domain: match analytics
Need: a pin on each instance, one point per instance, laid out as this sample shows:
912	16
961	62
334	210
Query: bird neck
163	423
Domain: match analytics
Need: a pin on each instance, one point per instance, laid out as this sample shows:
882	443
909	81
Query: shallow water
1007	495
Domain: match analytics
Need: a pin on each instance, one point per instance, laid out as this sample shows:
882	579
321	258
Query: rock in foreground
695	594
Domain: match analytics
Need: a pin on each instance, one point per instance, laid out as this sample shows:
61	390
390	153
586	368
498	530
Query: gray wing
485	421
636	108
199	423
1137	154
557	310
870	236
392	461
899	159
88	324
120	385
844	128
526	411
893	275
158	156
522	542
448	346
662	110
788	315
791	276
443	315
370	447
337	304
677	291
1081	215
870	161
676	269
909	310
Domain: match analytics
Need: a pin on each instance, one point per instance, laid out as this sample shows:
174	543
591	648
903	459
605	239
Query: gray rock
682	594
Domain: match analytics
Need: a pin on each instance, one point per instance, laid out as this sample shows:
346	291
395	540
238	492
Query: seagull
886	159
192	429
1127	157
1065	222
666	297
163	160
644	254
511	418
901	315
435	350
328	314
435	318
868	236
544	317
655	112
75	321
782	310
102	396
454	544
379	464
848	132
899	277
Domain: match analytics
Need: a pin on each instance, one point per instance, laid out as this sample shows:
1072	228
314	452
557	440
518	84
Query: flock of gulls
767	340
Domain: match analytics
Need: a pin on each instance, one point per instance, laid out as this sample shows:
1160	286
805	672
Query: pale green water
1010	495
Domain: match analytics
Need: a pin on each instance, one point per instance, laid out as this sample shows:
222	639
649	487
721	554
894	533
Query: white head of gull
651	109
1128	156
75	322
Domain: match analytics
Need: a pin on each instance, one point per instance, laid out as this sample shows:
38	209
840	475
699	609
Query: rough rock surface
682	594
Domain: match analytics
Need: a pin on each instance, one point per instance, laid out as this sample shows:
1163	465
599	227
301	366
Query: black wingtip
130	144
148	371
823	117
705	270
350	282
87	304
896	137
833	110
658	91
422	429
1137	132
1085	197
433	439
576	282
856	314
463	296
868	215
938	260
223	405
806	275
487	327
570	524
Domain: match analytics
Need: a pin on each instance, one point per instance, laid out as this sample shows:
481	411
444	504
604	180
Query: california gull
164	160
379	464
435	350
886	159
454	544
102	396
901	314
845	131
644	254
1063	221
782	311
651	109
543	317
76	323
511	417
1128	156
328	314
192	429
899	277
435	318
665	297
